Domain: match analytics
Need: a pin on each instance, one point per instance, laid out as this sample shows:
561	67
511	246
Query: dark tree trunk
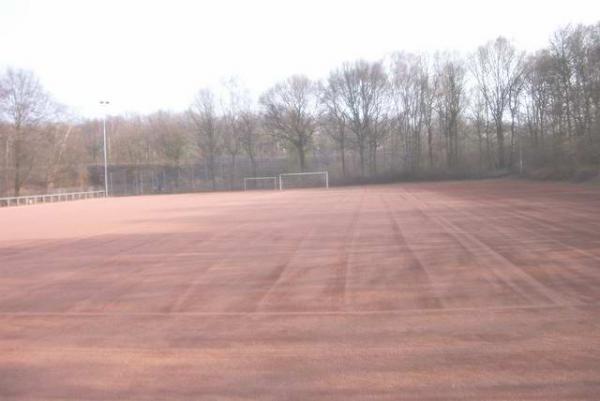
343	157
361	154
211	171
252	163
430	146
232	177
17	156
500	137
302	157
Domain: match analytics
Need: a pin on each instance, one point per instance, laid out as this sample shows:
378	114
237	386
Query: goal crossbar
246	179
324	173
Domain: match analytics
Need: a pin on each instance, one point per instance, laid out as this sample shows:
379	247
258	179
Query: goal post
322	176
270	182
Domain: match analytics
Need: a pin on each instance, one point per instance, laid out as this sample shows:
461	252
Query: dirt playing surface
484	290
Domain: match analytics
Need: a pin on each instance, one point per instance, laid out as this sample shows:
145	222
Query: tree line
407	116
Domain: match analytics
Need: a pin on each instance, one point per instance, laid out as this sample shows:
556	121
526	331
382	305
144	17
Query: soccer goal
304	180
260	183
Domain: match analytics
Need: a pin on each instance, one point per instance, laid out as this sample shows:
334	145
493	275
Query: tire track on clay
540	222
113	260
461	255
568	208
176	251
471	243
569	273
58	247
339	287
77	272
282	274
184	297
279	272
50	247
126	289
179	303
431	299
124	274
368	312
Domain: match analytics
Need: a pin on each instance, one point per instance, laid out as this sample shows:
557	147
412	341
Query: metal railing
47	198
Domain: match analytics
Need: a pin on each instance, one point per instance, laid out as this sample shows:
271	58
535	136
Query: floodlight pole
105	103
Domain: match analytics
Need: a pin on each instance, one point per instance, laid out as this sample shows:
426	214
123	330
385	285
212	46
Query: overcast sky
150	55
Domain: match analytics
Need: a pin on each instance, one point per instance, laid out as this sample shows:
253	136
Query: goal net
304	180
260	183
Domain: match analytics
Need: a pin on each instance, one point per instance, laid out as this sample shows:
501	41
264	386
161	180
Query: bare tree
171	140
24	106
450	103
334	120
290	113
495	67
414	111
514	106
362	89
232	143
537	95
430	92
204	117
410	83
335	128
250	137
55	141
5	156
575	87
480	123
235	100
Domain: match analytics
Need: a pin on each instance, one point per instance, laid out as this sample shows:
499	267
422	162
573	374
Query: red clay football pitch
484	290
